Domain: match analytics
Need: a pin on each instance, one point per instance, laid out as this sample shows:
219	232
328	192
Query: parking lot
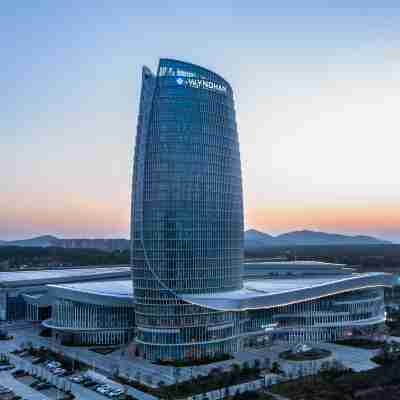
102	386
19	388
36	381
87	386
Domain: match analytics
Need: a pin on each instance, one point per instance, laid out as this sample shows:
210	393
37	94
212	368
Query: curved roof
103	293
195	66
256	294
41	277
295	264
265	269
269	293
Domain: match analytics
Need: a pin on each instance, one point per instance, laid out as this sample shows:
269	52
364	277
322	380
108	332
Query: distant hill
256	240
40	241
52	241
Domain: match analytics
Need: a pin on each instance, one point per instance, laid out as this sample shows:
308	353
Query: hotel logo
201	84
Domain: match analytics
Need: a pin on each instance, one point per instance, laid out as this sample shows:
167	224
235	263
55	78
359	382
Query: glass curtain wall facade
79	323
187	211
320	320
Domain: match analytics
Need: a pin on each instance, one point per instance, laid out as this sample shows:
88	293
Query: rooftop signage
201	84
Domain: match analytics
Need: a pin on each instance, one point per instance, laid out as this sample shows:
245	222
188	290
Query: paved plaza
151	374
143	370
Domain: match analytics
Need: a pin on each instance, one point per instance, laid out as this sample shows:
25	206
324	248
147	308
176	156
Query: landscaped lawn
381	383
217	379
196	362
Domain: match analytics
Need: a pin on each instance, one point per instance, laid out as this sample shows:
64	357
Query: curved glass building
187	212
190	299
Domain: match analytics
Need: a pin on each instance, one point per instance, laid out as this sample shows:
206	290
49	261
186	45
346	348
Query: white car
53	364
102	389
59	371
77	379
116	393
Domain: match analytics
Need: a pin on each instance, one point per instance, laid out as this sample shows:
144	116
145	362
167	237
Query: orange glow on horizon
365	219
75	217
88	217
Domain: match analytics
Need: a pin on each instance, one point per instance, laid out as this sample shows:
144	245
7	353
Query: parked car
116	392
5	390
77	378
6	367
53	364
43	386
103	389
58	371
89	383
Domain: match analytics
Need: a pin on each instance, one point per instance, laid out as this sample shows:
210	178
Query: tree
177	373
226	392
330	370
276	367
236	368
300	370
138	376
235	373
267	363
115	372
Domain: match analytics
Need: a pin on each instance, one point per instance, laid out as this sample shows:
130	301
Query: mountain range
53	241
254	240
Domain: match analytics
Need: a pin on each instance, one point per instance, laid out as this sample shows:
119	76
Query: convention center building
188	293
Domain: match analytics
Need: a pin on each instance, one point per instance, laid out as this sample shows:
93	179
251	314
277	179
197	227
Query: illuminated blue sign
201	84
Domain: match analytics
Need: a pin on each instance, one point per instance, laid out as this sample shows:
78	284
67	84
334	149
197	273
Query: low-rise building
22	293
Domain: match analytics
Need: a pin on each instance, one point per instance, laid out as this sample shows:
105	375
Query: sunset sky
317	90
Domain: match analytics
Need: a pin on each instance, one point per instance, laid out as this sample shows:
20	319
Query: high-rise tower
187	211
